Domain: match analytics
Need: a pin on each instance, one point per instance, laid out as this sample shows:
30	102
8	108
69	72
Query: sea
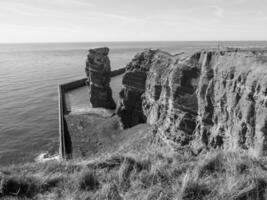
29	79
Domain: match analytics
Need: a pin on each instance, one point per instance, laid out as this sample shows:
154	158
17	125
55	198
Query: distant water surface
29	76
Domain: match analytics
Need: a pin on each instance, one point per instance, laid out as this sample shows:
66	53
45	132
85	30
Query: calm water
29	76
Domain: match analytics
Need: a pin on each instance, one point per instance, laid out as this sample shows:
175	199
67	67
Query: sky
131	20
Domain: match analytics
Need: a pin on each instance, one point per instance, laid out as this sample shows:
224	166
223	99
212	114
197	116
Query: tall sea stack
98	73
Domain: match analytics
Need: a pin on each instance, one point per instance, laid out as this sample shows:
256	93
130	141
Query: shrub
87	181
109	192
195	191
19	186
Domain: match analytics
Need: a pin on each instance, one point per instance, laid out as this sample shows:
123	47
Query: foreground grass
158	174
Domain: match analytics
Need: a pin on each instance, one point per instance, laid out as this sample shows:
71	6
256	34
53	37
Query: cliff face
232	100
98	73
170	100
130	104
209	99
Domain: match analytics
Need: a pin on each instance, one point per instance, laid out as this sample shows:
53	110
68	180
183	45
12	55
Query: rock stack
98	73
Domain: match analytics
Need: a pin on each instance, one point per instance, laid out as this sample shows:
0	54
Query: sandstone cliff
134	79
208	99
98	73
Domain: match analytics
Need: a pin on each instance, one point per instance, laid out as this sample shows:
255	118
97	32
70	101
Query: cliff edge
208	99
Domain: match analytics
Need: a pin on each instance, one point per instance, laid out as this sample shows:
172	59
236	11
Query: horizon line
132	41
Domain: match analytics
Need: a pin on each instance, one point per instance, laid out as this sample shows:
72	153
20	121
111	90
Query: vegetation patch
156	174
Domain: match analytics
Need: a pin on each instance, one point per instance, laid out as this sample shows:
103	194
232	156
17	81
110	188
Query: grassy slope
140	171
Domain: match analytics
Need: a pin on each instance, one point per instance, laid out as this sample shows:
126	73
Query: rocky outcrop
232	99
208	99
129	107
170	101
98	73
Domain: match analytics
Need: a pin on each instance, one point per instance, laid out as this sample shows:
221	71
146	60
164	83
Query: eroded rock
209	99
232	100
98	73
129	107
170	101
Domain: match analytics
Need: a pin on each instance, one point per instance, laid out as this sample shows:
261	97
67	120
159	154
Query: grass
158	174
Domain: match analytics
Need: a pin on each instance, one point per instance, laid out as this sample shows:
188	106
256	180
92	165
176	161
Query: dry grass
159	174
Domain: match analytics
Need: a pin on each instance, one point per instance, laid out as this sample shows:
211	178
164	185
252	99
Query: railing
65	145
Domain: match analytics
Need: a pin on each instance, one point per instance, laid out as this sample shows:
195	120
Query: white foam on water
44	157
